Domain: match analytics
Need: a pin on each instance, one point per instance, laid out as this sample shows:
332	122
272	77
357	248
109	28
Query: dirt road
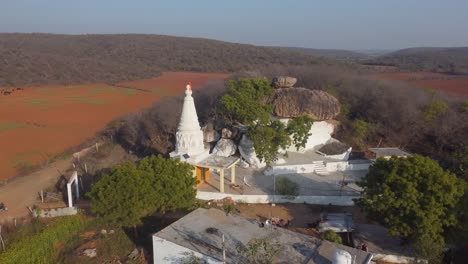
23	191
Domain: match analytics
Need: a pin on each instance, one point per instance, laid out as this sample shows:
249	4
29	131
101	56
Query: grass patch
38	101
24	166
10	126
285	186
96	102
162	92
108	246
99	90
130	91
86	99
42	246
78	97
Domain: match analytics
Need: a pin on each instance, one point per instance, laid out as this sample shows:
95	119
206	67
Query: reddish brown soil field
455	85
38	123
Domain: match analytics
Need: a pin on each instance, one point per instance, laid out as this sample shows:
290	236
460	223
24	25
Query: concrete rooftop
202	230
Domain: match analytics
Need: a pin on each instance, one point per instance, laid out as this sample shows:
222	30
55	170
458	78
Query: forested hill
49	58
331	53
442	60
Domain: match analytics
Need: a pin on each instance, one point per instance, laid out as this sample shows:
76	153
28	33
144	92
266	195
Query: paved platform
309	184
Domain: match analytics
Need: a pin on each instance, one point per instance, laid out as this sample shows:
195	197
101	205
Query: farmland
39	123
451	84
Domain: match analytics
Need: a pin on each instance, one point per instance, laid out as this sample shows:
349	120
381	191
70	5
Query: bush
41	247
285	186
332	236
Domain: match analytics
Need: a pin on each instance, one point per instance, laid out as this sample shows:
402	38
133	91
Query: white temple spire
189	136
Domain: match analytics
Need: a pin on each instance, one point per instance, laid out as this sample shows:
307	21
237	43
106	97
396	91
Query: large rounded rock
283	82
295	102
225	148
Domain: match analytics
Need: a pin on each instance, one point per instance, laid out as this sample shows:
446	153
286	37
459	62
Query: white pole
224	252
70	197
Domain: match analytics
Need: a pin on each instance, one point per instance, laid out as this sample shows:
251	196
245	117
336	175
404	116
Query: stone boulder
283	82
247	151
226	133
209	133
90	252
231	133
295	102
225	148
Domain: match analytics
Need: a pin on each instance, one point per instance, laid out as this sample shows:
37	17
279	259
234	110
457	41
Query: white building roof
201	231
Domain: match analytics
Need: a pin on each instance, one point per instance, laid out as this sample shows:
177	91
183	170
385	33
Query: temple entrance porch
221	165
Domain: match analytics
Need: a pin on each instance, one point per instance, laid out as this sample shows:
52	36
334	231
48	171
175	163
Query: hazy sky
345	24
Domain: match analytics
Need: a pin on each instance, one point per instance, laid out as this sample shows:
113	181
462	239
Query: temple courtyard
253	182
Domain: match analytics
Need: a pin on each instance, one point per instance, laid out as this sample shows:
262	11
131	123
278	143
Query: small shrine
190	147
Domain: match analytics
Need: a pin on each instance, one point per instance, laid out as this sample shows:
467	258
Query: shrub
332	236
285	186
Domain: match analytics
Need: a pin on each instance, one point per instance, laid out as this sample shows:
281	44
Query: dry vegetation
442	60
47	58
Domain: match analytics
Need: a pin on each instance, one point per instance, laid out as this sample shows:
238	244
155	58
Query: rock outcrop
225	148
247	151
295	102
209	133
283	82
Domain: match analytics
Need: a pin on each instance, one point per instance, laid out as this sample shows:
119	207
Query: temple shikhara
189	137
190	146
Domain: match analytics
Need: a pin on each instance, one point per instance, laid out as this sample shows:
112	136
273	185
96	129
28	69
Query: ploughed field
39	123
451	84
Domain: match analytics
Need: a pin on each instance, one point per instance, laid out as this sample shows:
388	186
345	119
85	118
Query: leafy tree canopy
246	103
243	101
411	196
131	192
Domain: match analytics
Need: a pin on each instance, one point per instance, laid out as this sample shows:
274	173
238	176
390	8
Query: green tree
172	182
361	128
269	139
411	196
123	196
299	128
246	103
434	109
131	192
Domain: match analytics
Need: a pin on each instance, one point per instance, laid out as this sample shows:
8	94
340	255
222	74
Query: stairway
319	168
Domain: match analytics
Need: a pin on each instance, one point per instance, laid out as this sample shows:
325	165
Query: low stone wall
54	212
290	169
347	165
265	198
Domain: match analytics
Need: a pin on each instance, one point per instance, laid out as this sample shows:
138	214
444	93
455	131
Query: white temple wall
290	169
320	131
346	166
265	198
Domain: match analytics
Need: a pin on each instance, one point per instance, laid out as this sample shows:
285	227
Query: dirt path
22	192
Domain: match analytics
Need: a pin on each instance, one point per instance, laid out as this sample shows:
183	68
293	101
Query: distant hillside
49	58
331	53
441	60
